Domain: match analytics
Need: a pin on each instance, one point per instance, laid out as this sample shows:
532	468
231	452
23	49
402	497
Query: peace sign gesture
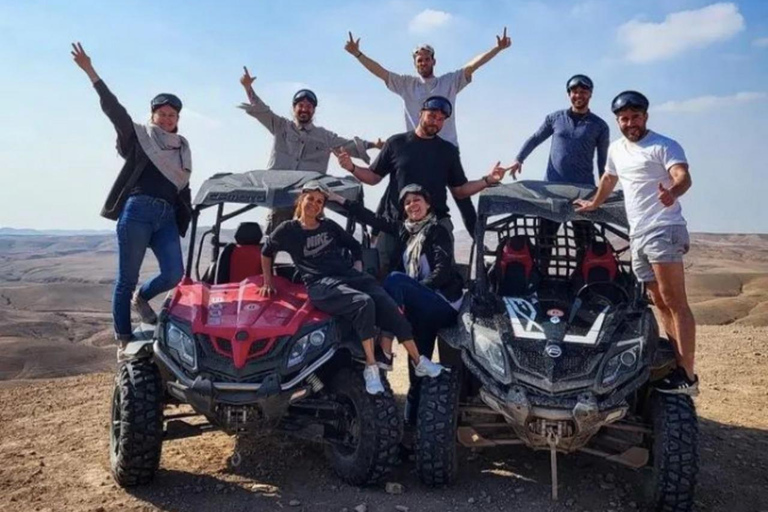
247	80
353	46
503	41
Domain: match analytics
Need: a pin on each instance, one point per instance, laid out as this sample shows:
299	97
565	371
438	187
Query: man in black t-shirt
420	157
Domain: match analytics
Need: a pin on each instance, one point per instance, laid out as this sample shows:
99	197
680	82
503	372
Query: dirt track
53	444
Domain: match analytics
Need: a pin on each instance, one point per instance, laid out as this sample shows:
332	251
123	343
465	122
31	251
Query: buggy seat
514	273
243	258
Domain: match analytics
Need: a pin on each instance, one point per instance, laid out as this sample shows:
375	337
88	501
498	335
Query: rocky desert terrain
57	359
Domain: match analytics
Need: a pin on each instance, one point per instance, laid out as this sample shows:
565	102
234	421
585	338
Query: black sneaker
678	383
384	361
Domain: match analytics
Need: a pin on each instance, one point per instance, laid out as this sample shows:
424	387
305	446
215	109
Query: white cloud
761	42
706	103
680	32
428	20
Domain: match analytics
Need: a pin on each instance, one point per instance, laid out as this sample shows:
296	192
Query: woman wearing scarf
150	199
335	286
428	285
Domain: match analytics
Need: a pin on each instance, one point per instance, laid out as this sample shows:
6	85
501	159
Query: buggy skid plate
205	395
537	426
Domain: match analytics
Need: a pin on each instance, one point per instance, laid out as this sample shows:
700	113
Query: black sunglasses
629	99
166	99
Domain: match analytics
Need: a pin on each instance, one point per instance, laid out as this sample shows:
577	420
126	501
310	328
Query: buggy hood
553	201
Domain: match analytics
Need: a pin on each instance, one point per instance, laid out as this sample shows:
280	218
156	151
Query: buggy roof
272	189
553	201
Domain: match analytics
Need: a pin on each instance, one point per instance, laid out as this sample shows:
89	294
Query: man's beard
304	118
634	134
425	72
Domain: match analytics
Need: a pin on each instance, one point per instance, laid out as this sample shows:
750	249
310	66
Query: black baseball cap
165	98
629	99
305	94
579	80
440	103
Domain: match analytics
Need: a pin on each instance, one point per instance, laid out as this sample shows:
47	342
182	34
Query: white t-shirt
415	89
641	166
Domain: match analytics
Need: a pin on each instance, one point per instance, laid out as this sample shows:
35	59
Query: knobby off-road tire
675	452
436	424
136	428
376	430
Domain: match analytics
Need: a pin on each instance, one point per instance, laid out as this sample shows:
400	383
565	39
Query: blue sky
702	64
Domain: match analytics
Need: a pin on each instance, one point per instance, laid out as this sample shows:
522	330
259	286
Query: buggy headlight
489	348
306	344
183	344
621	364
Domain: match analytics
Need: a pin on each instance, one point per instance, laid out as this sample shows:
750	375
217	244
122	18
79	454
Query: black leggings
360	300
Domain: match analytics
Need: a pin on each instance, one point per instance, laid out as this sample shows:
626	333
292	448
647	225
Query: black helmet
440	103
579	80
417	189
629	99
165	98
305	94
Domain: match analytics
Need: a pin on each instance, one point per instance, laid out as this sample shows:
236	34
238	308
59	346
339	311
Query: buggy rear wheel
436	424
675	452
371	430
136	426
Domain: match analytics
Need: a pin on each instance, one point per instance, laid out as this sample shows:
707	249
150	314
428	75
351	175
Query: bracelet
358	55
353	169
485	180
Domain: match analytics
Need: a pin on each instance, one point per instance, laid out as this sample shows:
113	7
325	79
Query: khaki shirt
301	147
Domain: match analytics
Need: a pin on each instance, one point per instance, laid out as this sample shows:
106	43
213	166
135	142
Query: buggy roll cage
261	188
524	204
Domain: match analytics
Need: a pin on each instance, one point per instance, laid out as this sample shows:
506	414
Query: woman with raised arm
150	199
334	286
428	285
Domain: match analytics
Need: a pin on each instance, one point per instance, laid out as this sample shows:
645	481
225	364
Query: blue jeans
427	312
144	222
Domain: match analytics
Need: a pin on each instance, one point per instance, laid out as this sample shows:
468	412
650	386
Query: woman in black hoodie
427	284
150	199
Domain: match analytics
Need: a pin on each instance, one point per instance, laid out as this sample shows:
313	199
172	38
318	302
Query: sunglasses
629	99
161	100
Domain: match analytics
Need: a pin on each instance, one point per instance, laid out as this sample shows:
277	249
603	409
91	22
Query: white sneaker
142	307
427	368
373	383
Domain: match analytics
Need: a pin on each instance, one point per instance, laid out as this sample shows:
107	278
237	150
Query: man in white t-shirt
653	172
415	89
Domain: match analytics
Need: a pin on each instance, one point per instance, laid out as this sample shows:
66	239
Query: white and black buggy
556	348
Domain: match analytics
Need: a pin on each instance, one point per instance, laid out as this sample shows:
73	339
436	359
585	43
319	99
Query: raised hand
503	41
515	169
81	58
353	46
247	80
582	205
665	196
345	161
496	174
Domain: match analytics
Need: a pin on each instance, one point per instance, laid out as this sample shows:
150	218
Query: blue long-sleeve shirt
575	138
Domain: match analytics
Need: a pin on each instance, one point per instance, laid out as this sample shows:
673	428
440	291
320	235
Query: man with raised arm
298	144
415	89
577	135
653	172
421	157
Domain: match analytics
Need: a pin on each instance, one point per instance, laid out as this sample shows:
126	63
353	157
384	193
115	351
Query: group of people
421	291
